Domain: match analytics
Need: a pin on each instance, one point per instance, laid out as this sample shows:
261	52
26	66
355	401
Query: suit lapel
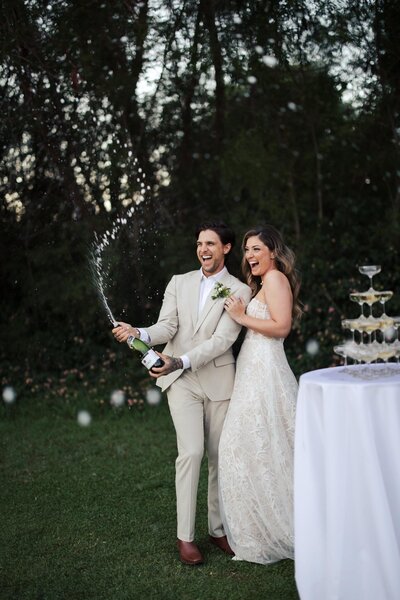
210	302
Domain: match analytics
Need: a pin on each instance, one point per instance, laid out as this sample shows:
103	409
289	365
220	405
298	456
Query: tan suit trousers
198	424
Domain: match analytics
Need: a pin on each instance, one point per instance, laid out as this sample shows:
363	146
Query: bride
256	446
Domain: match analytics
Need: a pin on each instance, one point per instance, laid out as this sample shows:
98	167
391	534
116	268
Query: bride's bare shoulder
275	278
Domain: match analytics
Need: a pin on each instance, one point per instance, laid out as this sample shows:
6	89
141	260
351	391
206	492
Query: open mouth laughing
206	258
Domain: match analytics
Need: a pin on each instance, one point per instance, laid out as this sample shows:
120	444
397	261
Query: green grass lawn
89	512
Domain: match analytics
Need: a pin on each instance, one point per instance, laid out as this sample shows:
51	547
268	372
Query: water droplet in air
117	398
84	418
9	394
269	60
312	347
153	396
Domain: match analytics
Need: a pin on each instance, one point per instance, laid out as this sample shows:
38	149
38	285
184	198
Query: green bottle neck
138	345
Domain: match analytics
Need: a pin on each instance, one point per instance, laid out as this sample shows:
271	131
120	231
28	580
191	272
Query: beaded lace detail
256	450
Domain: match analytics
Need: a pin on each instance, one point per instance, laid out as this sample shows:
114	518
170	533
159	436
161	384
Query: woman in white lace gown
256	446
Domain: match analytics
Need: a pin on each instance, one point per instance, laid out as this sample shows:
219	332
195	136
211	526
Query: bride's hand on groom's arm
123	331
171	363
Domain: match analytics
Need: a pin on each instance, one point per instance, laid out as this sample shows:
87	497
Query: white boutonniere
220	291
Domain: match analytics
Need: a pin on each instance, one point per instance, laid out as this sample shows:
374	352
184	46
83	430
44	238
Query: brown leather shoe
189	553
222	544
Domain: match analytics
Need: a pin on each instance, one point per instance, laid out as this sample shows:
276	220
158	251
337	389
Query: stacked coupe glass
373	337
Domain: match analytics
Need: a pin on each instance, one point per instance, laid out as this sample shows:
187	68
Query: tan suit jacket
206	338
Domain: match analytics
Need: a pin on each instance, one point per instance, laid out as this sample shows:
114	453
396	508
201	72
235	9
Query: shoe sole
191	564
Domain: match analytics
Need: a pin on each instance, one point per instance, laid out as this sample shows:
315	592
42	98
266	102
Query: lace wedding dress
256	450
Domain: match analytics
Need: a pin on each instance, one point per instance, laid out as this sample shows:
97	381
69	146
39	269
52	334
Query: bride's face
259	256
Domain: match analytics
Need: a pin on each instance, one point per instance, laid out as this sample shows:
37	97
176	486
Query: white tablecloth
347	484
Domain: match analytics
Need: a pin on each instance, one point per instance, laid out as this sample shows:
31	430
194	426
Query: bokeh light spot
84	418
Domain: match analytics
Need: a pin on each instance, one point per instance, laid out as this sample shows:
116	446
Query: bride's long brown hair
284	260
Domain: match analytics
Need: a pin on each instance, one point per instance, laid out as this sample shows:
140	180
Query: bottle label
150	359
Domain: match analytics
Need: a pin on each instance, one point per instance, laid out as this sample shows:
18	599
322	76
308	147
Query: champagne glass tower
372	344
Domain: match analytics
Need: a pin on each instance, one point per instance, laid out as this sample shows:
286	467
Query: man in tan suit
198	374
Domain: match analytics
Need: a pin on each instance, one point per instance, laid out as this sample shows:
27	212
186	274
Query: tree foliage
251	111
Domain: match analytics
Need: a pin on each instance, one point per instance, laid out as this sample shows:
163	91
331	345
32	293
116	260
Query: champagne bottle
150	358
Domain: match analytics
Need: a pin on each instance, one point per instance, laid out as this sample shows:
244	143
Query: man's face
211	252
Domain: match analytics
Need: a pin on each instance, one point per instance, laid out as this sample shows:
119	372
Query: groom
198	374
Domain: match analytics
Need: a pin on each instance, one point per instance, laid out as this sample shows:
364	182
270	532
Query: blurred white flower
9	394
153	396
84	418
251	79
312	347
117	398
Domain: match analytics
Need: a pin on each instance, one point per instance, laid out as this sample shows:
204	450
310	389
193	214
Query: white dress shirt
207	284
